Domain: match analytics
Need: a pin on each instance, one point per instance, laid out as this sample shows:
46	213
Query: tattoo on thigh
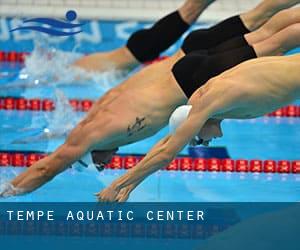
137	126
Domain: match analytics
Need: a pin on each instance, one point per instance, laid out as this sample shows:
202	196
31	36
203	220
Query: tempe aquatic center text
168	215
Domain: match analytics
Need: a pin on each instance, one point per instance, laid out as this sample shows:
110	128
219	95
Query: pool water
73	186
263	138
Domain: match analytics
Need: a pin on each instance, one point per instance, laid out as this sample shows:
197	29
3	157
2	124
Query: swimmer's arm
47	168
160	156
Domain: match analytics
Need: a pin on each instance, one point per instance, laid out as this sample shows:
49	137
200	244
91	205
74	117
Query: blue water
263	138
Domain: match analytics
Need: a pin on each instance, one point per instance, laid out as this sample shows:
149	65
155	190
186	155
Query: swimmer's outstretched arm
159	157
43	171
164	152
81	139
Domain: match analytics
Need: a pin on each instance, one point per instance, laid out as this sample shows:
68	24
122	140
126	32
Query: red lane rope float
13	56
21	159
19	57
85	105
13	103
36	104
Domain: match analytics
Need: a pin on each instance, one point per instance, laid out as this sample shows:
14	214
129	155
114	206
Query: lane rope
11	103
26	159
13	56
84	105
19	57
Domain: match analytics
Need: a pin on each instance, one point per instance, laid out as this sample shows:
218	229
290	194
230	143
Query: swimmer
235	94
278	22
147	44
138	108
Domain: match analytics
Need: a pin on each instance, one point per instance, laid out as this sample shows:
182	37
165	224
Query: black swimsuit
195	69
210	52
205	39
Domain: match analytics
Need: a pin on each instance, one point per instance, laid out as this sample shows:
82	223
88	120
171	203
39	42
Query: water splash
8	190
48	66
59	122
63	119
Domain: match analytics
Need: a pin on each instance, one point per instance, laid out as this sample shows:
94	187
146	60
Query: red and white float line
24	159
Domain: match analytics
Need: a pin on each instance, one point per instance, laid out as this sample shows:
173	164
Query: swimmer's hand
109	194
124	194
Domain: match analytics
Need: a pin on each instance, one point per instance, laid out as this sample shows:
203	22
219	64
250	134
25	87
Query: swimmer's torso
143	103
154	90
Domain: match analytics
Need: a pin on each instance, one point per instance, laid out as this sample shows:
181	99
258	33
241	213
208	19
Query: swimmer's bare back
138	107
255	87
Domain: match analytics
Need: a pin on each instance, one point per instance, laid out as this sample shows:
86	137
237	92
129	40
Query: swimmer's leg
279	43
233	29
280	21
256	17
151	41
